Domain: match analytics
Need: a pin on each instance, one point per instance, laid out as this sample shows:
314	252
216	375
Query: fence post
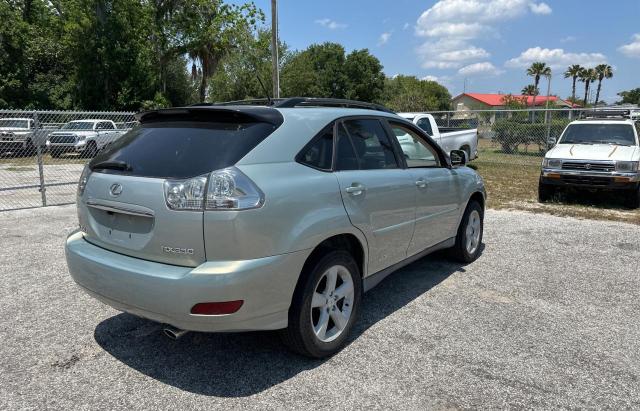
43	188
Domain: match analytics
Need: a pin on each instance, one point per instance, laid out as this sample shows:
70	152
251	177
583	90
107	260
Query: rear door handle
421	183
355	189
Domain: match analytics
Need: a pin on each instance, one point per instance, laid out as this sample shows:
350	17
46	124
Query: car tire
312	330
632	200
469	238
55	153
29	149
545	192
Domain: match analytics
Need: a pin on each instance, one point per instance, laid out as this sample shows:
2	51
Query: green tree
242	70
408	93
317	71
573	72
629	96
530	90
603	71
587	76
208	30
537	70
365	79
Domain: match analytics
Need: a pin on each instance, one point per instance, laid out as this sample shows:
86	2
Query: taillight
185	194
84	178
226	189
230	189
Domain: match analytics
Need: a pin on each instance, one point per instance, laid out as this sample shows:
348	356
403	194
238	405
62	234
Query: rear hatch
124	208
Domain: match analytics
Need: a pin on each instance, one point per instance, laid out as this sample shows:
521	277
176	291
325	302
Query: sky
485	44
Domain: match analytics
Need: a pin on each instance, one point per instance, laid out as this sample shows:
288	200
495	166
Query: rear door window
371	144
183	149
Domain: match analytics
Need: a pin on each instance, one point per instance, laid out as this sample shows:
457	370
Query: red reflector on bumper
226	307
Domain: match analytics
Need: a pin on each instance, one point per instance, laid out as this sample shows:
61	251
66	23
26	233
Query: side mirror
458	158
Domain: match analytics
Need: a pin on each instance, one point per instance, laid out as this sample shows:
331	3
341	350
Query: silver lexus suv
246	217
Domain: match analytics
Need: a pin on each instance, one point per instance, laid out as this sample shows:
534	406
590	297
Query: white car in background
449	138
85	137
601	153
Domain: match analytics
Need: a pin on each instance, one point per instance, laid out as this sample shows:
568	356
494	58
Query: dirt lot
546	318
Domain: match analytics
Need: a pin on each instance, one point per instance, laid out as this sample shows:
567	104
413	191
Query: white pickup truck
84	137
449	138
19	136
596	153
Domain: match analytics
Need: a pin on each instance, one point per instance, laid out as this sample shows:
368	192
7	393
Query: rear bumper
590	180
166	293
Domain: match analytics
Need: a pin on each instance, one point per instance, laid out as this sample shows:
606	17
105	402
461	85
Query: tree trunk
203	79
573	91
598	92
586	92
535	89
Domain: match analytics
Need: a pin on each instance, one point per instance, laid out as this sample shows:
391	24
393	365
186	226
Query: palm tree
604	71
587	75
537	70
530	90
573	71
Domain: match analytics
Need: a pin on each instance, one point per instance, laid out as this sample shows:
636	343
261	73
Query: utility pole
275	68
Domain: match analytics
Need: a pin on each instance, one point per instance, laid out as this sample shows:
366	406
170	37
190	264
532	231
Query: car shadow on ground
242	364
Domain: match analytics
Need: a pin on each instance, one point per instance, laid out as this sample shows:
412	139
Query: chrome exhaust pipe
173	332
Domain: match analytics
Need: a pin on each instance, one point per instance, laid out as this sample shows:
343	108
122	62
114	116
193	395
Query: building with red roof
480	101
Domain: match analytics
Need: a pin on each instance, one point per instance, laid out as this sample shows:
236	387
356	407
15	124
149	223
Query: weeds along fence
519	137
42	153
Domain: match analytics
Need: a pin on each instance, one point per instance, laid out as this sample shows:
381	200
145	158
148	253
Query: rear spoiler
213	114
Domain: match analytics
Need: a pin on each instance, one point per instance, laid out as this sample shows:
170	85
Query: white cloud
484	68
384	38
568	39
405	26
446	54
450	26
555	58
429	78
540	8
330	24
632	49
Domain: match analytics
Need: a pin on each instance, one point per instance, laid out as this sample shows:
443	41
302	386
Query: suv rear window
183	149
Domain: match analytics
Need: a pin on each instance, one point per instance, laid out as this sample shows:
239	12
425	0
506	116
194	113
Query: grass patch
18	169
512	183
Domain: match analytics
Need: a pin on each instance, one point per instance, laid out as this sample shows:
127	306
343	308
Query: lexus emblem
115	189
588	166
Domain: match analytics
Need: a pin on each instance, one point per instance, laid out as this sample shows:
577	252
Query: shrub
511	133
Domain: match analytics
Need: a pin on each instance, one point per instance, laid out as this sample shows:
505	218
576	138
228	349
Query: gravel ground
25	173
546	318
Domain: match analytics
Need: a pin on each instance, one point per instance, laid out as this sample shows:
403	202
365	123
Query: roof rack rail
303	102
594	114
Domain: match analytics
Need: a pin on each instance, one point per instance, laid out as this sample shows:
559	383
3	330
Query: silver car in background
243	217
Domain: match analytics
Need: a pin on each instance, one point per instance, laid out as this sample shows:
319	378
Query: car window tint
346	158
371	143
319	153
425	124
417	152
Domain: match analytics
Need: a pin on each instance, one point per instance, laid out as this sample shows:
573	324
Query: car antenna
264	89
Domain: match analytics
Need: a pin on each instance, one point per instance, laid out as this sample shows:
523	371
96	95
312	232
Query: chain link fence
42	153
518	137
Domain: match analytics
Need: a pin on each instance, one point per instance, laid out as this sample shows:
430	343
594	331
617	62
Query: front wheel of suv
325	306
469	237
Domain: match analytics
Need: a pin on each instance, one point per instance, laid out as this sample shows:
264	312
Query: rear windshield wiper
112	165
